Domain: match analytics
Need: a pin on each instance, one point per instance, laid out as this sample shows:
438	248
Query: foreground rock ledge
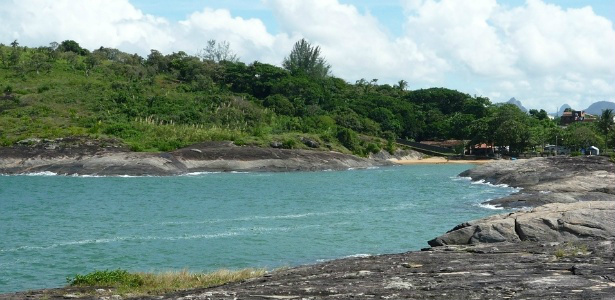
584	269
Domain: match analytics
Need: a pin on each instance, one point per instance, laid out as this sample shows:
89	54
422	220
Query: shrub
289	143
372	148
348	138
114	278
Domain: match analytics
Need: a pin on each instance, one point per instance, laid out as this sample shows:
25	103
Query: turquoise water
52	227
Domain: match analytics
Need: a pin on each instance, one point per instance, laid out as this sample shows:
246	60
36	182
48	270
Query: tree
605	124
218	52
540	115
39	62
579	135
15	54
402	85
306	59
72	46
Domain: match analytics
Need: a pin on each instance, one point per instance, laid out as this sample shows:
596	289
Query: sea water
52	227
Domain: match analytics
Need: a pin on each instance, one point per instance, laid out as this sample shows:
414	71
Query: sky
545	53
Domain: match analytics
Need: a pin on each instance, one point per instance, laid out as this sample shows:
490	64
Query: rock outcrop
550	180
556	222
62	157
529	270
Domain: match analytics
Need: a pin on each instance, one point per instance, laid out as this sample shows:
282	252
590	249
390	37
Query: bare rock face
86	158
549	180
555	222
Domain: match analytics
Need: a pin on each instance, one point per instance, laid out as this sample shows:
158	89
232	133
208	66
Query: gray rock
276	145
310	142
555	222
211	156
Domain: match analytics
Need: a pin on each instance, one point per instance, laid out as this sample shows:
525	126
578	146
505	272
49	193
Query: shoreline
572	254
440	160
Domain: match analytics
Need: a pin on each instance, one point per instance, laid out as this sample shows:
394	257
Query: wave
230	233
399	206
200	173
482	181
490	206
43	173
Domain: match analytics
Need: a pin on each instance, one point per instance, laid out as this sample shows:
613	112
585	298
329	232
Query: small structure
593	150
557	150
574	116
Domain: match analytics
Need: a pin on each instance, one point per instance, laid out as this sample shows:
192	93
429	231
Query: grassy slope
65	102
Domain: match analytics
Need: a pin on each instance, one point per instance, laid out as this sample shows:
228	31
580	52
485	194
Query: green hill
163	102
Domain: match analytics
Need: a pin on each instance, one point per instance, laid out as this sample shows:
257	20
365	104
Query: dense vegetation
163	102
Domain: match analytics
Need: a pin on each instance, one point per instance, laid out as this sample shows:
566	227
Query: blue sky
542	52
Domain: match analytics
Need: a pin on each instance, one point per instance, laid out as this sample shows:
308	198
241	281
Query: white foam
232	232
43	173
460	178
489	206
482	181
199	173
360	255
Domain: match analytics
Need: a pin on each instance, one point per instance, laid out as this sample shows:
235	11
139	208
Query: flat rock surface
584	269
556	179
69	157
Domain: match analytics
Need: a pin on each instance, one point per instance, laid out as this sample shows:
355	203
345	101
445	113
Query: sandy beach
439	160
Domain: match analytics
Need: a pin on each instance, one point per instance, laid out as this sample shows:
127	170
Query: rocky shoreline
561	250
109	158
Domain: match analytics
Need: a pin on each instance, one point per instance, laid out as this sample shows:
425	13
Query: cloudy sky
543	52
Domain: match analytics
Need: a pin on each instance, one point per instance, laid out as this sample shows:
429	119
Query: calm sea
52	227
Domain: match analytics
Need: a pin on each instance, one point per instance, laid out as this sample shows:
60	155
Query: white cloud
92	23
539	53
566	54
355	43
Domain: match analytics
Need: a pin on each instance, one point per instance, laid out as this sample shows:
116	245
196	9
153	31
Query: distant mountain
561	109
597	107
517	103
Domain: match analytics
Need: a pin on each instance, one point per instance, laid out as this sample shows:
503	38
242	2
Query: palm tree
402	85
605	124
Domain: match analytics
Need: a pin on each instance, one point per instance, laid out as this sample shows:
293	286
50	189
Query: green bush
348	138
106	278
575	153
372	148
289	143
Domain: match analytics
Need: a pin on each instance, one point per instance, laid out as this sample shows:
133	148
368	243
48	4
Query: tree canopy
306	59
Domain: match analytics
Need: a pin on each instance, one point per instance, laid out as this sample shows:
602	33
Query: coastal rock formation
65	157
549	180
529	270
554	222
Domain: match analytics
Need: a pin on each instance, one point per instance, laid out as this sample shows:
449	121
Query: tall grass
126	283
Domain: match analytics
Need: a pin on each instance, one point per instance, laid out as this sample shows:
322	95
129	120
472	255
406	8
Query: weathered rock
529	270
556	174
399	154
70	158
310	142
555	222
531	199
550	180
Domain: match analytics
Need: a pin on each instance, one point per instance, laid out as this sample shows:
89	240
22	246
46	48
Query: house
569	117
